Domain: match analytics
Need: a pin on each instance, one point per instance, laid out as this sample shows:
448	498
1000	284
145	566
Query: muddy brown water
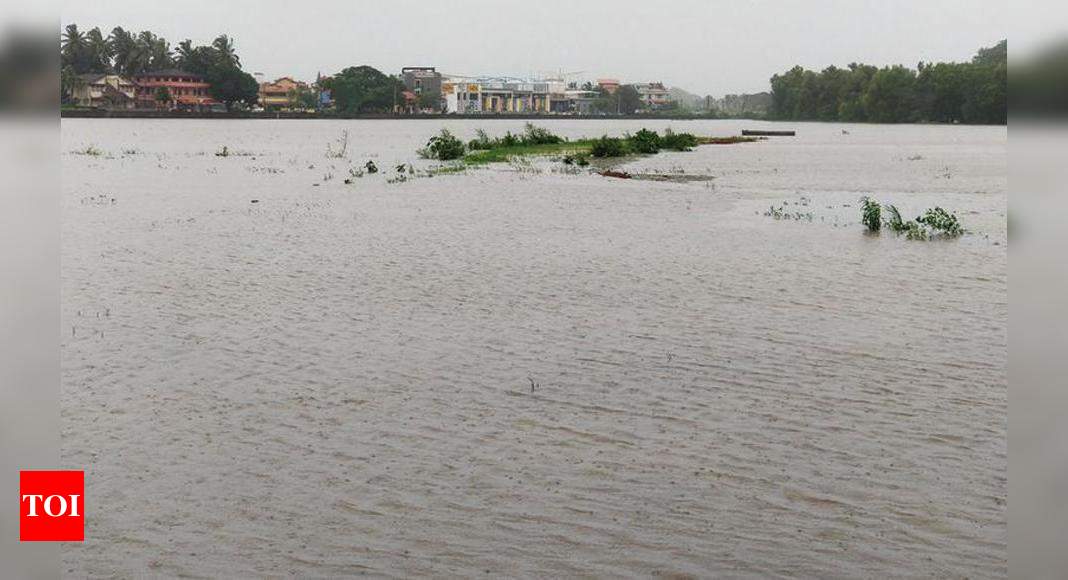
336	380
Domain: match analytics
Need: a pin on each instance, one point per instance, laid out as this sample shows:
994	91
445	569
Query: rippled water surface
337	379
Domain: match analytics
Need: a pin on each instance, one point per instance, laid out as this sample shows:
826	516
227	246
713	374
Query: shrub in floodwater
933	221
915	231
444	147
224	152
644	141
894	223
942	221
678	141
371	167
608	147
870	214
533	135
481	142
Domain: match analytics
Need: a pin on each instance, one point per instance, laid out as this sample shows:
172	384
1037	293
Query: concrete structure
654	95
187	90
105	91
425	83
608	85
581	101
504	95
460	96
277	95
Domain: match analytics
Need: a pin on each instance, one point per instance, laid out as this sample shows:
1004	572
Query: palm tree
123	48
99	51
185	52
224	47
73	48
154	52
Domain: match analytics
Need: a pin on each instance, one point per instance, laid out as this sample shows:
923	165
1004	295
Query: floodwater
524	371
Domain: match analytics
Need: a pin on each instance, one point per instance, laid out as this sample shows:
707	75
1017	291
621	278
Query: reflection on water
337	379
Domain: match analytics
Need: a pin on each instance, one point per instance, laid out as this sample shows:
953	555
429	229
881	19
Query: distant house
187	90
610	86
425	83
654	95
105	91
276	95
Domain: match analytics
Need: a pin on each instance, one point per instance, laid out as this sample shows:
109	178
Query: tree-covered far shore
971	92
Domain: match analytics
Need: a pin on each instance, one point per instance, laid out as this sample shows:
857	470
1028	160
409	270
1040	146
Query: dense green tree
625	100
891	96
971	92
233	86
363	89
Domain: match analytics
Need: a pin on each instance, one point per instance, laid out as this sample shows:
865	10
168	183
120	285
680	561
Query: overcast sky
704	46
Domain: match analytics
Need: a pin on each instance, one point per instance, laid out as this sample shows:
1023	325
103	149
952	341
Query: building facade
278	94
608	85
654	95
186	90
105	91
425	83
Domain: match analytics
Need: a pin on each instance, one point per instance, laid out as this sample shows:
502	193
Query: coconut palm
73	49
224	47
99	51
154	52
124	49
185	54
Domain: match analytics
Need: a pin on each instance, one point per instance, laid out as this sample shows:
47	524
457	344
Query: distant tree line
128	53
971	92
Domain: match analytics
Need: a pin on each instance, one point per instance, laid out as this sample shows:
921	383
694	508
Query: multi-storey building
185	90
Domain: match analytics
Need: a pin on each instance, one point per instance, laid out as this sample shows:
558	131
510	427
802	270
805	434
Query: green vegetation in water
90	150
444	147
534	141
871	214
934	222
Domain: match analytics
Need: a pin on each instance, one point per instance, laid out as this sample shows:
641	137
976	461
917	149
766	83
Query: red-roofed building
187	90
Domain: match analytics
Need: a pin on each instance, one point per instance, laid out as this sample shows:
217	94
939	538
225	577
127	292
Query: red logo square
51	506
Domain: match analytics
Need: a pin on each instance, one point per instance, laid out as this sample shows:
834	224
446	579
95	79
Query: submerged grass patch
538	141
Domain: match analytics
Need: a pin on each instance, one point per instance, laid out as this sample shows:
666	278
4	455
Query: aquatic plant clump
444	147
644	141
870	214
934	222
608	147
678	141
942	221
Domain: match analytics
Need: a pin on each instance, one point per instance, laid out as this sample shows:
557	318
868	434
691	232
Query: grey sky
707	47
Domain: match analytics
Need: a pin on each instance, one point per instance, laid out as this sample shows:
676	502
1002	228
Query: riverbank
149	114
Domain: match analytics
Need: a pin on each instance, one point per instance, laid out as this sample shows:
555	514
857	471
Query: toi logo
51	506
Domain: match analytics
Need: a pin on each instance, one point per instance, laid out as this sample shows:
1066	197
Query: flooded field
525	369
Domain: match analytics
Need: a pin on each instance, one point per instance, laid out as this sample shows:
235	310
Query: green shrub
608	147
533	135
941	220
481	142
870	214
444	146
895	223
678	141
644	141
